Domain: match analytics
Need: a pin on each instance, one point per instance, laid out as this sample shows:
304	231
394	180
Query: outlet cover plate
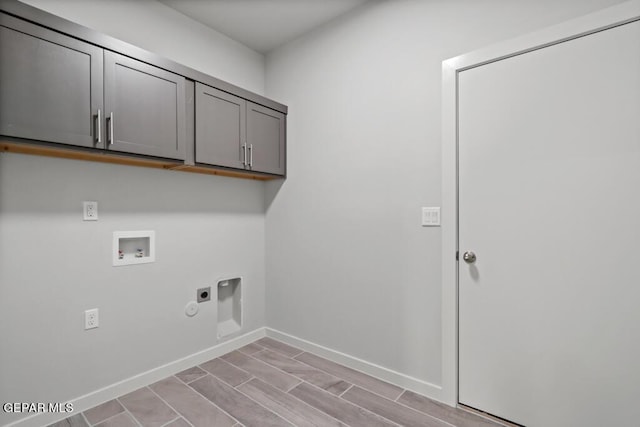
91	320
90	211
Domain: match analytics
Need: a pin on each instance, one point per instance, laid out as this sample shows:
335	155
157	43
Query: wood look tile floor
269	383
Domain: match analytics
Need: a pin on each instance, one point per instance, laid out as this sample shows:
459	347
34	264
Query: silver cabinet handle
99	135
111	139
250	155
244	154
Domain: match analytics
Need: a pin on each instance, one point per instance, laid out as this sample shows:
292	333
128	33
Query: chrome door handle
111	128
99	136
469	257
250	155
244	154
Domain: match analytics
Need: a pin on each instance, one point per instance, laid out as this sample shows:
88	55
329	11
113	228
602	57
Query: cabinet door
50	85
266	137
220	128
144	108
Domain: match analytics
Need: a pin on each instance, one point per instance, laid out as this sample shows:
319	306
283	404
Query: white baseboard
424	388
112	391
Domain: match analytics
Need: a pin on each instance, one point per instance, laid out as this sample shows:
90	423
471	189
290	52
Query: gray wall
349	266
53	266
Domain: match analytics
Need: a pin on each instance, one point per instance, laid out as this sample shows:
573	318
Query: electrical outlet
91	319
90	211
204	294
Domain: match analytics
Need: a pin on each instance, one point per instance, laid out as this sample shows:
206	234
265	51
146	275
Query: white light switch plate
431	217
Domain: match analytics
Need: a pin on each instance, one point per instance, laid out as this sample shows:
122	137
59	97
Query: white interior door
549	201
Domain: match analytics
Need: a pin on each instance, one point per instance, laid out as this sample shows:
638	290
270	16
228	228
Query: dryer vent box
229	306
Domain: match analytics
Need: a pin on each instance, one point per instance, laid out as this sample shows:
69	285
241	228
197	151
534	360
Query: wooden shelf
109	157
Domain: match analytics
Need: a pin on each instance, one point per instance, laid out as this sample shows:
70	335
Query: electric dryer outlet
204	294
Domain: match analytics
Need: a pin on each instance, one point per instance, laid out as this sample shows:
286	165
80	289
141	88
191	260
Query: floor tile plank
455	416
191	374
191	405
120	420
287	406
226	372
338	408
74	421
268	383
241	407
303	371
365	381
280	347
258	369
252	348
391	410
102	412
180	422
147	408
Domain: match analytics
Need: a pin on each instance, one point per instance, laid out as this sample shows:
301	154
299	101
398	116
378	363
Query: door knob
469	257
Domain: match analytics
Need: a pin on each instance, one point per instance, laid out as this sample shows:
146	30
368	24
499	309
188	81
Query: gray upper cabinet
144	108
65	84
235	133
220	128
50	85
266	138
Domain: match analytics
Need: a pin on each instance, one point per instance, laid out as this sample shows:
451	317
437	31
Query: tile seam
280	351
178	413
257	403
350	403
300	377
135	420
229	363
402	390
106	419
313	407
268	365
175	419
403	405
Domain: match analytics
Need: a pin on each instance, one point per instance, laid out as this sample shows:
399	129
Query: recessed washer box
229	306
133	247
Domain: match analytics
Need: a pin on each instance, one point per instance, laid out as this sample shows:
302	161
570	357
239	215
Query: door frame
598	21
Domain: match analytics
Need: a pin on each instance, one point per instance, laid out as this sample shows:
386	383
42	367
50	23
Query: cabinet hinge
457	256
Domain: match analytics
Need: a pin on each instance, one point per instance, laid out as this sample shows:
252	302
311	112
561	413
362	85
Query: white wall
348	264
53	266
159	29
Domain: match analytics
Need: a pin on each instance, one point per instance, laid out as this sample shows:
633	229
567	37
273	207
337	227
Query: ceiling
263	25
